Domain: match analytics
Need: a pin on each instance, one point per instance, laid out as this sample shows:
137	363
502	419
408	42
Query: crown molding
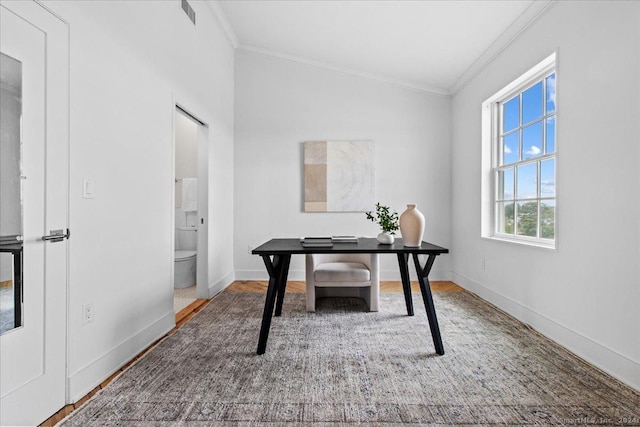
379	78
526	18
221	17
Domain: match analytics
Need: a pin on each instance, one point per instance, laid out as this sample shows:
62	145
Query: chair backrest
370	260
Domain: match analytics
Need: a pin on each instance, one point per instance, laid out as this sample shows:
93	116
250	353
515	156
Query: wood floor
188	312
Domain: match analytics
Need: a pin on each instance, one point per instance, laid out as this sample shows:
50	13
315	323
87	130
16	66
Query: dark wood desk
276	254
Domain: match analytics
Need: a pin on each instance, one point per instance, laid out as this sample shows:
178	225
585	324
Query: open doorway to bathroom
190	209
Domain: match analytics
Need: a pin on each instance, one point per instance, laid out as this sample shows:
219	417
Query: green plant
387	220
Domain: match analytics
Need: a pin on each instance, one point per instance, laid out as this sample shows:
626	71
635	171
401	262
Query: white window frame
491	153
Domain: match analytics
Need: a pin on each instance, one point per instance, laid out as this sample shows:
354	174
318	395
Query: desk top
365	245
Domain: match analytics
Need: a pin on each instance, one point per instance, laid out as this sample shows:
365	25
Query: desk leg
425	288
283	285
276	270
403	261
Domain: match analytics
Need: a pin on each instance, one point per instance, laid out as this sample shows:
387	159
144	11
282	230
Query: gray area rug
345	366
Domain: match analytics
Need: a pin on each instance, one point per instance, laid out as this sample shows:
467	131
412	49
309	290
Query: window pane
551	134
532	103
527	218
527	185
523	159
505	184
510	148
504	212
547	219
532	141
548	178
511	115
551	93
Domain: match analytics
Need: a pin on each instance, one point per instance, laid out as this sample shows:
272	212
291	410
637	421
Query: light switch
88	191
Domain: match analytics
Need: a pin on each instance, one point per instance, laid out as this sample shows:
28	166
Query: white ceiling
429	45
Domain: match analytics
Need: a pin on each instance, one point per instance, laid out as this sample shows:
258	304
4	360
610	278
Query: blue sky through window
506	178
511	150
551	93
527	181
532	105
511	115
527	186
551	134
532	141
548	178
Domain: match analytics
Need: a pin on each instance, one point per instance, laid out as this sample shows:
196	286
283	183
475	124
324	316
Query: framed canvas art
339	176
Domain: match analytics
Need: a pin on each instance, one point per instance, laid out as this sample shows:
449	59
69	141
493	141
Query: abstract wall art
339	176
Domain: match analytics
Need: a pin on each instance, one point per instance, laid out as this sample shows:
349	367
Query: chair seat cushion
342	272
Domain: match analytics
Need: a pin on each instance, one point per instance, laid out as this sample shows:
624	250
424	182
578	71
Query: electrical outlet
87	313
482	264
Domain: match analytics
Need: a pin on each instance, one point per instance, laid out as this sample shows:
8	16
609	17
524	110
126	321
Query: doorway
190	266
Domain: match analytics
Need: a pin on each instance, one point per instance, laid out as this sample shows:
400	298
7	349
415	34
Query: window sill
552	246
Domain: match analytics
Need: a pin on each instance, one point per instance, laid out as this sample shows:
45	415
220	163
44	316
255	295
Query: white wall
186	153
130	62
186	147
585	295
280	104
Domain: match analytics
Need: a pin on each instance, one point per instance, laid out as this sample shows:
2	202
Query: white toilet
185	258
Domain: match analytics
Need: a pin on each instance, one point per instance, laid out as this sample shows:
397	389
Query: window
519	159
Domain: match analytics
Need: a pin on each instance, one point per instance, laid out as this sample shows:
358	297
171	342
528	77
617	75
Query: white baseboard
89	377
615	364
299	275
262	275
221	284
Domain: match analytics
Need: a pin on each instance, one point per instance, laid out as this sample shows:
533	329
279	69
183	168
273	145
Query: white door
33	202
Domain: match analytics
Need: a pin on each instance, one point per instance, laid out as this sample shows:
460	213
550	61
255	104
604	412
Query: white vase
385	238
412	226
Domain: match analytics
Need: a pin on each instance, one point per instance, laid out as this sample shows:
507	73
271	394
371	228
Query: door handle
57	236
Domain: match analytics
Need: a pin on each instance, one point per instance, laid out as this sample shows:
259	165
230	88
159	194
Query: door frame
202	266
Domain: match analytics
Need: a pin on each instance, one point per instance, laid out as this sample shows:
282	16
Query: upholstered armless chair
343	275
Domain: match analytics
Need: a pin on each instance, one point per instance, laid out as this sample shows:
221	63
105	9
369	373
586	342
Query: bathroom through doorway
190	149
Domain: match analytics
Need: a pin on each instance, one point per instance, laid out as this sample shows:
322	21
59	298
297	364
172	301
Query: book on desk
344	239
326	242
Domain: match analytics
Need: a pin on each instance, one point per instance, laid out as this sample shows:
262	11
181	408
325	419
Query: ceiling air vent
189	11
